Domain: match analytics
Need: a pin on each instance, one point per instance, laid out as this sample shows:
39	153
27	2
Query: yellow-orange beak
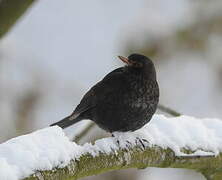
124	59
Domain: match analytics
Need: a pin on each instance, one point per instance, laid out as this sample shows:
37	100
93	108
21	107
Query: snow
42	150
50	147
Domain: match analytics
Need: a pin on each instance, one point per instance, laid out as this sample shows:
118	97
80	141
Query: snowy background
59	49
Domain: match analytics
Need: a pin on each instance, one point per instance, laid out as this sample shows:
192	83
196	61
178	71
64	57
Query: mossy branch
10	12
133	157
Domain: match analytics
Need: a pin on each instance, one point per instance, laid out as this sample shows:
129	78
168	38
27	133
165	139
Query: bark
133	157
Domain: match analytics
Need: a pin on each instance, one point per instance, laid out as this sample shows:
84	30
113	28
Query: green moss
134	157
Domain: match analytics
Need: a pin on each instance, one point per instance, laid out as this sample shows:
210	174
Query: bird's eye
138	64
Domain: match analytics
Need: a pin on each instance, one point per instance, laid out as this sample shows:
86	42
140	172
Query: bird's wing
99	91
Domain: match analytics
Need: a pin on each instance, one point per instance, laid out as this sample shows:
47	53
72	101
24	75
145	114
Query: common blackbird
124	100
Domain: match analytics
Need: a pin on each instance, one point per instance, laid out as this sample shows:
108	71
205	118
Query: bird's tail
67	121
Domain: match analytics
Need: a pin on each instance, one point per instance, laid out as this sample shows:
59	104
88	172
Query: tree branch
79	136
133	157
168	110
10	12
182	142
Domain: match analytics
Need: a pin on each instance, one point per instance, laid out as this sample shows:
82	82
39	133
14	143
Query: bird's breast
143	93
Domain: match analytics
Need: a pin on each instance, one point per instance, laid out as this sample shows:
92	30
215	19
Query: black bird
124	100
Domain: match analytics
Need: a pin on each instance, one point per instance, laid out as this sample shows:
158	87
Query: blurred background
58	49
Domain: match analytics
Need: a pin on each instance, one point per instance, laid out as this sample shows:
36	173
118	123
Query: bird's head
137	61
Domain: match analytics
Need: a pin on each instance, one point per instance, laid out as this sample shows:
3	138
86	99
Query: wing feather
98	92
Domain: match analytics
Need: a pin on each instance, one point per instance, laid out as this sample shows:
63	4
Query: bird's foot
141	142
117	141
128	144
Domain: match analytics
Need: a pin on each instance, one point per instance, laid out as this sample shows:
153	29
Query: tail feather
66	122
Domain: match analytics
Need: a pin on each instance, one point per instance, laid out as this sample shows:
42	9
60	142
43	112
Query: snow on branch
181	142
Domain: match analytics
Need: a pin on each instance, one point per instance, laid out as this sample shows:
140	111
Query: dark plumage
124	100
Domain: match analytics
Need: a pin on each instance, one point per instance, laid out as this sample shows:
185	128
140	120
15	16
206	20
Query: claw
118	142
145	141
141	142
128	144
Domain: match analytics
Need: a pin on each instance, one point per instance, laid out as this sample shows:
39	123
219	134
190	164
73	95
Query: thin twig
78	137
168	110
10	12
